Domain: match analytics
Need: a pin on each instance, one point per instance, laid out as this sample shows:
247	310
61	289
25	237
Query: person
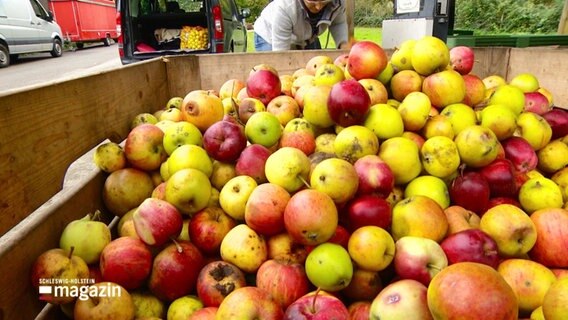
296	24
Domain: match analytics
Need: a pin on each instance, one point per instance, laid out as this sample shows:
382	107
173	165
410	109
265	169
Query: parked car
152	28
26	27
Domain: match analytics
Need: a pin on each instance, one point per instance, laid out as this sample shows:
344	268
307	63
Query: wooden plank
45	129
491	61
350	10
563	24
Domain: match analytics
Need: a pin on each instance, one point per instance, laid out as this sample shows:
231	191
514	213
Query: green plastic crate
519	41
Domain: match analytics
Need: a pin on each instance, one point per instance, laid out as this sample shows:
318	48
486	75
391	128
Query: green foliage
371	13
255	7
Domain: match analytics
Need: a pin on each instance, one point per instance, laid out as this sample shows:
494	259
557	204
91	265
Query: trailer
86	21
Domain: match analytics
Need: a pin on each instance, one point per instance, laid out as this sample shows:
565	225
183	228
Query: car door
40	20
21	33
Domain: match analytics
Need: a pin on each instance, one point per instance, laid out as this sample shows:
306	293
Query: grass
361	33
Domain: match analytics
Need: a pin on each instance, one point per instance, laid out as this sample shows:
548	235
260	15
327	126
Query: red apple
318	305
263	85
552	237
144	147
471	245
462	59
207	313
208	227
303	140
224	141
348	103
156	221
502	200
520	153
249	303
471	191
500	174
558	120
264	209
366	59
369	210
474	90
364	286
281	246
175	271
216	280
375	176
359	310
340	236
251	162
536	102
126	261
341	60
418	258
284	281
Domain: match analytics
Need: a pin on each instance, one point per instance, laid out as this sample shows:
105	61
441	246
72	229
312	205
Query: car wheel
107	41
4	56
57	50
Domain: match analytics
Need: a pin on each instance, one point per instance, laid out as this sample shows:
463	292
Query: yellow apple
527	82
316	61
430	186
385	121
337	178
477	146
286	81
328	74
284	107
190	156
371	247
315	106
419	216
245	248
553	157
560	177
500	119
401	58
289	168
403	157
555	303
440	156
376	90
509	96
460	115
414	110
355	142
493	81
429	55
460	219
535	129
230	88
540	193
324	143
234	195
181	133
222	172
438	125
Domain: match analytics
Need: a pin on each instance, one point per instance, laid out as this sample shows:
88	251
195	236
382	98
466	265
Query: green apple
509	96
355	142
328	74
430	186
299	124
401	58
174	102
189	190
535	129
142	118
500	119
440	156
183	307
329	267
403	157
147	305
263	128
245	248
527	82
385	121
460	115
87	235
478	146
540	193
190	156
337	178
234	195
429	55
289	168
315	106
109	157
179	133
385	76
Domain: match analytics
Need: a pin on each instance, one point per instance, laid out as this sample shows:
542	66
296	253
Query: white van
25	27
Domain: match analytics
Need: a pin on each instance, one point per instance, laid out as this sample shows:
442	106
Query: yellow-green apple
540	193
329	267
471	245
224	141
440	157
164	124
116	304
500	174
305	80
252	161
385	76
385	121
125	189
461	291
282	247
87	236
462	59
286	81
202	108
477	146
263	85
144	147
459	219
249	303
557	118
183	307
511	228
419	216
500	119
527	82
207	313
401	299
471	191
235	194
264	209
263	128
393	150
190	156
245	248
375	176
348	103
509	96
289	168
460	115
57	267
174	102
284	281
317	305
429	55
367	59
431	186
175	270
109	157
493	81
230	88
249	106
555	302
208	227
181	133
141	118
551	240
222	172
315	62
285	108
324	143
335	177
474	90
560	177
404	82
189	190
364	286
414	110
146	305
547	94
444	88
328	74
354	142
341	60
536	102
371	248
438	125
216	280
376	90
553	157
173	114
401	58
157	221
368	210
310	217
126	219
359	310
529	280
126	261
418	258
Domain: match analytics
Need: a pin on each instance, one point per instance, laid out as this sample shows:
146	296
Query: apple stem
314	300
96	216
71	252
178	247
304	181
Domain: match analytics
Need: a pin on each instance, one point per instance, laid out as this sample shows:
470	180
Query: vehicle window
168	6
38	9
2	11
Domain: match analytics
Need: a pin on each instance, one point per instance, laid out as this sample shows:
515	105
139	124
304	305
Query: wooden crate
47	128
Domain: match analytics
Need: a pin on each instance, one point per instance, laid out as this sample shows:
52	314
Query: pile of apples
363	187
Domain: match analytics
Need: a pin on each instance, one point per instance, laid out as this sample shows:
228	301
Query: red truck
84	21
